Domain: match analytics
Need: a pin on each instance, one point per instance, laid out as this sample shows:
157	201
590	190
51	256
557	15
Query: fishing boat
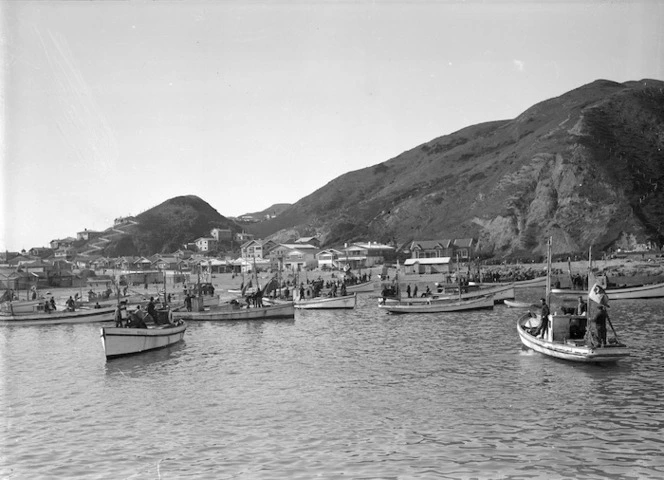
35	313
320	303
565	339
121	341
567	336
234	311
499	293
655	290
519	304
439	306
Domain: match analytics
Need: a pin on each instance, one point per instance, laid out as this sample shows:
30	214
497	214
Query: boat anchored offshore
38	312
574	338
139	332
323	303
439	306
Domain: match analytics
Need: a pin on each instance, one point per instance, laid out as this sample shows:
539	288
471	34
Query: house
141	264
329	258
63	242
243	237
42	252
428	265
257	248
222	234
431	248
65	252
464	248
88	235
461	248
206	244
293	256
363	255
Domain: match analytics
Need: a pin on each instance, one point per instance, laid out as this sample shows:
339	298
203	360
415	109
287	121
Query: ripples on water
333	394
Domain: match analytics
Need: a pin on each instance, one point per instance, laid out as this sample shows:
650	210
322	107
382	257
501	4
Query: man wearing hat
600	324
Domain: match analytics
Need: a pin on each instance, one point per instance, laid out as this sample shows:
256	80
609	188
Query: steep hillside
166	227
586	167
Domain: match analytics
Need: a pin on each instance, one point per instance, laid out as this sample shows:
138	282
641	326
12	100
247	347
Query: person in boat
52	302
71	304
344	292
600	324
581	307
415	292
152	310
258	298
408	290
302	291
187	302
117	316
544	324
136	319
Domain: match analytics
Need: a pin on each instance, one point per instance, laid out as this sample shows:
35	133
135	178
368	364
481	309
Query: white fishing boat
500	293
567	336
655	290
235	311
565	339
439	306
120	341
320	303
34	313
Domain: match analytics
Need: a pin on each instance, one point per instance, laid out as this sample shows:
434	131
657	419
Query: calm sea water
333	394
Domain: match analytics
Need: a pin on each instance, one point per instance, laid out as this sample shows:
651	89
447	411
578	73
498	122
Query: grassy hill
585	168
168	226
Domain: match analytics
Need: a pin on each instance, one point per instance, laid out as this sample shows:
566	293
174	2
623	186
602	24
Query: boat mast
548	271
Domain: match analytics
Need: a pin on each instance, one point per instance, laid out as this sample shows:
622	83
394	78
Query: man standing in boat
544	325
600	324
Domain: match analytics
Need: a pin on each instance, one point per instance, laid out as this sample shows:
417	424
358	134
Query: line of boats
565	338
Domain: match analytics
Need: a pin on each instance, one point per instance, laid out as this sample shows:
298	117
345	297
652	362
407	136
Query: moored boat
570	337
121	341
439	306
34	313
655	290
565	339
499	293
320	303
233	311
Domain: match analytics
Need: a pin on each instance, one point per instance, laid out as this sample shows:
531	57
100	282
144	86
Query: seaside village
76	263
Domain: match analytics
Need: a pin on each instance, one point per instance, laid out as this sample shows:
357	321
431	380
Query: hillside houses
438	256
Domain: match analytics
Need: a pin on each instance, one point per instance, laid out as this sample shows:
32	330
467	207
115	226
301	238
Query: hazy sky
110	108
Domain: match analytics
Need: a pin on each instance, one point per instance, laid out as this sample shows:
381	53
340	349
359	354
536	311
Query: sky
111	108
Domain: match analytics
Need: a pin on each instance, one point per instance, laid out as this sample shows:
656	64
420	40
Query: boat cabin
569	329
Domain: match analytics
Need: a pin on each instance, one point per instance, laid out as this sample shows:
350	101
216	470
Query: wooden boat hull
58	317
119	342
321	303
439	306
227	313
569	351
627	293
